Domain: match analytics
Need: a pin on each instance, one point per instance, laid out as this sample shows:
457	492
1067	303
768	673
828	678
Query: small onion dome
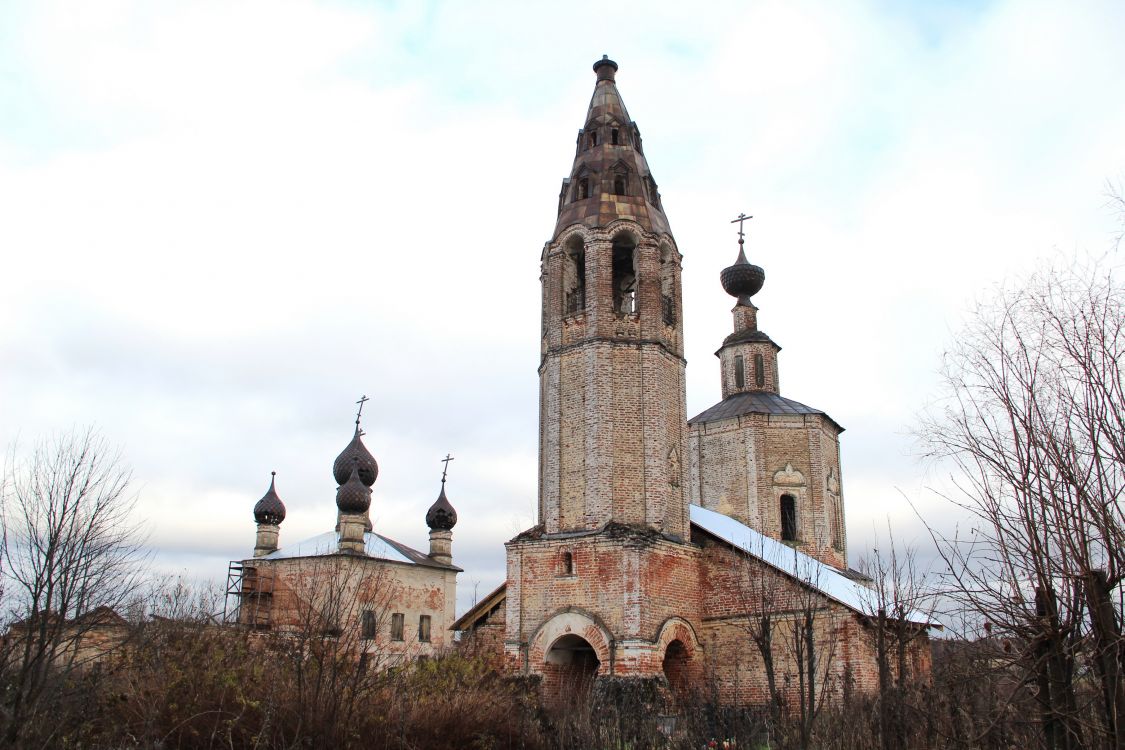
441	514
355	453
742	280
353	496
270	509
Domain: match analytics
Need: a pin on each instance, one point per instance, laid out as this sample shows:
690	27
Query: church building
662	541
377	597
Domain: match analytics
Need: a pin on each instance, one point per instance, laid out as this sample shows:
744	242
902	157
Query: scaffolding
249	596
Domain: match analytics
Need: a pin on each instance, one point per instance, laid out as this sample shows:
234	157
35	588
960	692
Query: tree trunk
1107	644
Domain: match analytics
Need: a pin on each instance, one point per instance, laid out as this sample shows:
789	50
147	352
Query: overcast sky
221	223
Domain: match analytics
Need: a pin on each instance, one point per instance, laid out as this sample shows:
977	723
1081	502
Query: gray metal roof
756	402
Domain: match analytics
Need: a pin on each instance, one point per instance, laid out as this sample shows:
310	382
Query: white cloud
223	222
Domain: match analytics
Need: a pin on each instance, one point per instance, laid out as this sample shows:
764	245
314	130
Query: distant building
662	539
384	599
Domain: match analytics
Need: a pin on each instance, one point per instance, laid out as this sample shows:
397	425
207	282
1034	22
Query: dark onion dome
742	280
270	509
441	514
353	496
355	452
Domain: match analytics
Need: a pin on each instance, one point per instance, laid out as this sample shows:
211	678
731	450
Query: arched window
574	277
624	273
739	372
788	518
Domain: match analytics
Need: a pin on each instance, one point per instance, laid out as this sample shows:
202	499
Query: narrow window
424	629
613	135
837	525
583	189
619	184
367	624
568	564
668	285
624	275
593	139
397	621
788	518
739	374
363	663
759	370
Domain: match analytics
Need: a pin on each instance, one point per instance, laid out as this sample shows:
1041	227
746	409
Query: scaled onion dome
270	509
356	454
353	496
441	515
743	279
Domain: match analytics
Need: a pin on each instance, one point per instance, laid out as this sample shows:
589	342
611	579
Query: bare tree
1033	420
795	631
899	608
72	558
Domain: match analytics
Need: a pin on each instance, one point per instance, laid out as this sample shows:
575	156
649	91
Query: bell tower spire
613	423
610	178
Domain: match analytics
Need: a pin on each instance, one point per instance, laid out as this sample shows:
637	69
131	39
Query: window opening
583	189
788	518
398	620
739	374
668	286
367	624
613	135
568	564
624	276
593	139
424	629
574	279
759	370
619	184
837	525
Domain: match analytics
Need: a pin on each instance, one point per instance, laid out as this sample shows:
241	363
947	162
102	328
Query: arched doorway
676	665
571	667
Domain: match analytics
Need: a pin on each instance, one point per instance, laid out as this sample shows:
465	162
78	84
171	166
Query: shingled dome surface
356	454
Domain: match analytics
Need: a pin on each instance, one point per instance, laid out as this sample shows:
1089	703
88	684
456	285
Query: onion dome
355	454
743	279
270	509
441	515
353	496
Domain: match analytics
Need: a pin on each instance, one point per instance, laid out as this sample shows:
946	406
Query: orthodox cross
741	218
362	400
445	461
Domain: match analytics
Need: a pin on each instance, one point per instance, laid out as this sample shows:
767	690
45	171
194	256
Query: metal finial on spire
742	280
362	400
739	221
445	469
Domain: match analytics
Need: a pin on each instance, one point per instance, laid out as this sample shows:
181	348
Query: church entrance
571	667
677	663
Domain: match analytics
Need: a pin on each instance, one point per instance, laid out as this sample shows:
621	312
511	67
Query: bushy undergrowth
178	685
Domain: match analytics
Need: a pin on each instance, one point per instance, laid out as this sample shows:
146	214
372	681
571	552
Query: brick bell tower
608	578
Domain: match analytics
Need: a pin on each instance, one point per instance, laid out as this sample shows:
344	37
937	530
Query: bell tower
608	581
612	432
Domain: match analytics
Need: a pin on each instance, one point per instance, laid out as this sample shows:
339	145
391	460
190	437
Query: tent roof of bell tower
610	178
